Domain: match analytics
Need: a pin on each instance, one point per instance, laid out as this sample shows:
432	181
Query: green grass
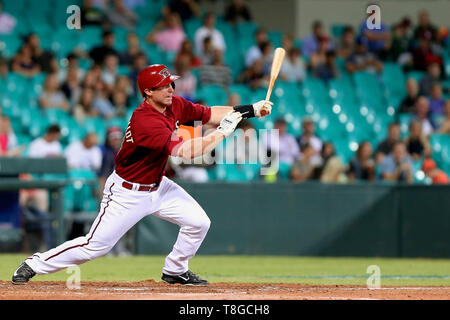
307	270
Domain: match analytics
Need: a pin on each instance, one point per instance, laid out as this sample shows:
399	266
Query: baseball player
138	187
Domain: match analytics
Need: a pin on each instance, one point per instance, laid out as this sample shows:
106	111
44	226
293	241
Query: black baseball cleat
188	279
23	274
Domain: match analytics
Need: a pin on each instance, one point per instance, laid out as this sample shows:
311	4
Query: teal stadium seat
369	90
213	94
394	80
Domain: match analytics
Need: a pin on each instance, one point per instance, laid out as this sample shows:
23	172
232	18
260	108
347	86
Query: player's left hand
262	108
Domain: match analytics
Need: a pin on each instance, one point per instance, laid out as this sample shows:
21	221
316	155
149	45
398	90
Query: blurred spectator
187	50
310	43
45	59
397	166
293	68
331	169
399	51
346	44
8	140
385	147
72	63
186	86
254	76
72	87
168	34
123	84
423	55
23	63
48	145
328	69
217	73
416	144
93	80
237	11
208	30
302	169
121	16
377	40
186	9
433	75
408	104
139	63
84	154
51	96
424	27
206	56
436	99
432	172
445	124
267	57
287	41
133	50
99	53
7	21
103	105
109	151
84	108
109	71
285	147
362	166
308	137
91	15
363	60
119	100
422	113
254	52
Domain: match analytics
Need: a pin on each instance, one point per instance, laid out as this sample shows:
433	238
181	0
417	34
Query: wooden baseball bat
278	57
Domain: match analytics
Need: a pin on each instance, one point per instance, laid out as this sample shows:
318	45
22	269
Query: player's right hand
229	123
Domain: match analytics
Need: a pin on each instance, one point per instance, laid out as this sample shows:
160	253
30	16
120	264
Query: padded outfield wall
314	219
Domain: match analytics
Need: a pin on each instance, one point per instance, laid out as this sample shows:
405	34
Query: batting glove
229	123
265	106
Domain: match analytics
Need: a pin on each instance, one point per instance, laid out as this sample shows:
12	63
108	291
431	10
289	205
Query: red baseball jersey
151	137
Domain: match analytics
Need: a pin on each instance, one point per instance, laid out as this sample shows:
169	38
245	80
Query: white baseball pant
120	210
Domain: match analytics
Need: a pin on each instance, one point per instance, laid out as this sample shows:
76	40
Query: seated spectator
208	30
109	151
133	49
99	53
7	21
416	144
287	41
121	16
308	136
408	103
422	114
254	52
302	169
424	27
399	50
436	100
123	84
331	169
362	60
293	68
217	73
433	75
362	166
48	145
310	43
285	146
187	50
328	69
445	123
91	15
46	59
139	63
346	44
168	34
93	80
109	71
436	175
84	107
267	57
186	86
254	76
237	11
23	63
119	101
51	96
103	105
186	9
72	63
206	56
423	55
72	87
397	166
385	146
84	154
377	40
8	140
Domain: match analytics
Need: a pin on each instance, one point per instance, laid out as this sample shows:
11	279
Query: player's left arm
247	111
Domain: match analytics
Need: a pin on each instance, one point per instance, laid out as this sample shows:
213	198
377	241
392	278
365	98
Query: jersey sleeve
191	112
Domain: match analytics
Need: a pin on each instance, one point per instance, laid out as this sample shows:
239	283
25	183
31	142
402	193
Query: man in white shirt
254	52
208	30
84	154
48	145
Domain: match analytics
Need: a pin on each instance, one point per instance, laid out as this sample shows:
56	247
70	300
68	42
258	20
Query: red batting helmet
156	75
